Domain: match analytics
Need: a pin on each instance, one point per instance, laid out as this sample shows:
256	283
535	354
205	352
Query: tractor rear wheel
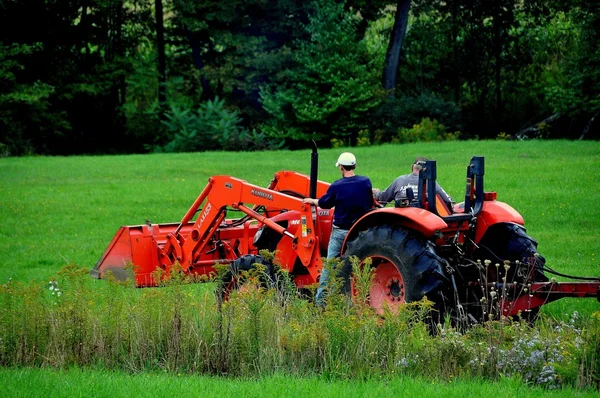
406	268
239	271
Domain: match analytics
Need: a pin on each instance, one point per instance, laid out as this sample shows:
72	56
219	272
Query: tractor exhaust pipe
314	168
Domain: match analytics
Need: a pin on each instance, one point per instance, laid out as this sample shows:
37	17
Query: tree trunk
162	62
120	52
199	64
455	62
524	133
587	127
392	57
498	65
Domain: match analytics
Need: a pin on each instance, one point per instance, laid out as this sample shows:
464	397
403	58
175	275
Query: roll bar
474	194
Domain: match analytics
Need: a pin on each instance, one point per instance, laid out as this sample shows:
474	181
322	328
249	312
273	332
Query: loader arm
222	192
296	184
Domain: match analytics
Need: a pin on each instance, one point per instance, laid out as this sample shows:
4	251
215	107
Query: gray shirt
397	189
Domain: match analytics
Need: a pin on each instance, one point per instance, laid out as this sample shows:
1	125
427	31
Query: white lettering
205	212
261	194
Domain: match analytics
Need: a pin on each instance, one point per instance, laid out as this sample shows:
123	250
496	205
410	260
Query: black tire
234	277
415	259
508	241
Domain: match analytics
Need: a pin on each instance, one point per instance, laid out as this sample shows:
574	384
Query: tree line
131	76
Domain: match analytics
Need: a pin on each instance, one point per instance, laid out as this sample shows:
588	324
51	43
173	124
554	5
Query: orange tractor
472	260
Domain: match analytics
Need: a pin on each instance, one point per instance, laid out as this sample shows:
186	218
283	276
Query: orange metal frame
197	245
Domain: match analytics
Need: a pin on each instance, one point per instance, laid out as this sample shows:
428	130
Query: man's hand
376	191
314	202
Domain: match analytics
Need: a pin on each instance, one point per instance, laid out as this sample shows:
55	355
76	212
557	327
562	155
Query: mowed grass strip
78	382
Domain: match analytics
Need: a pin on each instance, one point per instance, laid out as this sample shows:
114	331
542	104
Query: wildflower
574	317
547	377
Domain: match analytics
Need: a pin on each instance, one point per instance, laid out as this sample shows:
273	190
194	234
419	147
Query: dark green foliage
407	111
68	62
21	102
426	130
577	94
230	48
507	64
85	78
329	87
211	127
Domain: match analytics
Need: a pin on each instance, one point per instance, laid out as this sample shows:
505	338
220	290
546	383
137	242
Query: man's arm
326	201
314	202
389	193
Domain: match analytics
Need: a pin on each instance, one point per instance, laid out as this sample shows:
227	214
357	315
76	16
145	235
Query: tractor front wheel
406	268
240	270
508	241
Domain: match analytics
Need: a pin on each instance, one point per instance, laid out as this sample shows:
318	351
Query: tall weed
262	330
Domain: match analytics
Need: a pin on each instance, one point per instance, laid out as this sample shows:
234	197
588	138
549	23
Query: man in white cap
352	197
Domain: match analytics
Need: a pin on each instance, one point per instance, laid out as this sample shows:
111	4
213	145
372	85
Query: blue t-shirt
351	196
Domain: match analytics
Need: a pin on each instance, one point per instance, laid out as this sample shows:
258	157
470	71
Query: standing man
397	189
351	197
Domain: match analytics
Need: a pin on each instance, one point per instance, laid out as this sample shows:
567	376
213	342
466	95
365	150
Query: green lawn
77	382
62	210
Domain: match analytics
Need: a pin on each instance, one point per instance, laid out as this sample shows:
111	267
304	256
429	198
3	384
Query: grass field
65	210
77	382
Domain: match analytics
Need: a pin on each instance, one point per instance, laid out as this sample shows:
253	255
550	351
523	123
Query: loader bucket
133	253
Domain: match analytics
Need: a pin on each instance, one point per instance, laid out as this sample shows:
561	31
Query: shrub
427	130
211	127
397	113
4	150
363	138
337	143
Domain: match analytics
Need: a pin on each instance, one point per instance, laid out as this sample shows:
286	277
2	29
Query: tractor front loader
472	261
197	246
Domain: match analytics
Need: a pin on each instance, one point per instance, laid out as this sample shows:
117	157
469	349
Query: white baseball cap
346	159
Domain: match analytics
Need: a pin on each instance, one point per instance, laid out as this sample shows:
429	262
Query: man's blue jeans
336	240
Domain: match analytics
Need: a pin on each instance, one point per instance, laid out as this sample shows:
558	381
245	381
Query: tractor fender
424	222
494	212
